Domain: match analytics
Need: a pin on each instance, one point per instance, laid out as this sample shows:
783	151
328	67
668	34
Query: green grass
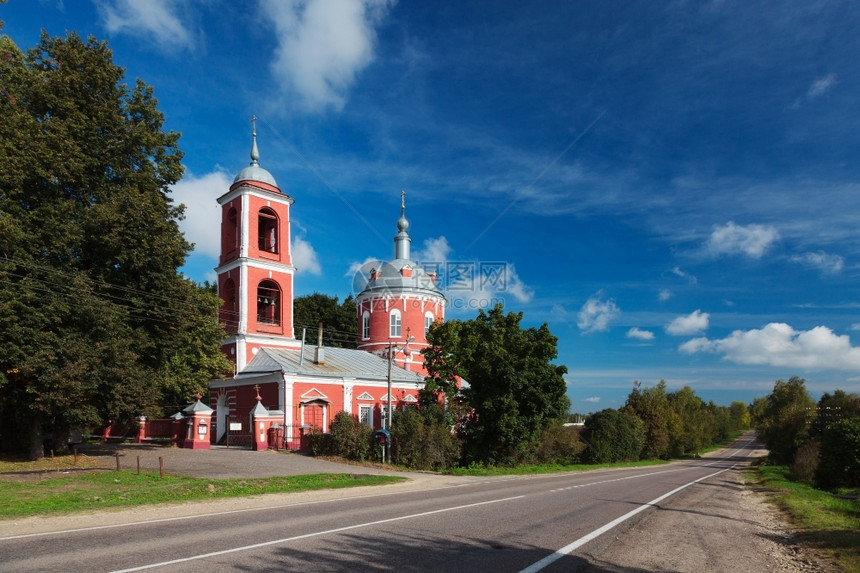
480	470
64	493
827	522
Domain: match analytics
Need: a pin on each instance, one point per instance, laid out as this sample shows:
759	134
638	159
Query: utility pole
387	453
391	350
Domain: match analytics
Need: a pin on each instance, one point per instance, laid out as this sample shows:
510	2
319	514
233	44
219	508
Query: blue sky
672	186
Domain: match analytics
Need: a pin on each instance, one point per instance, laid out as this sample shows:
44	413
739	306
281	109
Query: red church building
282	387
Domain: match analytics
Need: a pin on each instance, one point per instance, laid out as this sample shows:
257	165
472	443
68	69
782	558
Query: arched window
269	303
395	322
230	237
365	325
229	310
428	321
267	225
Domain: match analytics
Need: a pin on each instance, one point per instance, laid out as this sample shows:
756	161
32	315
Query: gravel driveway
220	462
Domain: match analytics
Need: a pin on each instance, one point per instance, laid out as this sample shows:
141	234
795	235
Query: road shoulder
721	524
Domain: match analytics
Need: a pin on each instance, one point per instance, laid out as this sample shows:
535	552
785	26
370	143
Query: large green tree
784	422
612	436
512	389
339	319
96	323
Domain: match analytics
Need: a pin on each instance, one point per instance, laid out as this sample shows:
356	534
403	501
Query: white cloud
304	256
481	279
664	295
826	263
778	344
855	326
596	314
434	251
322	45
202	212
694	322
592	399
750	240
156	19
684	275
821	86
640	334
516	287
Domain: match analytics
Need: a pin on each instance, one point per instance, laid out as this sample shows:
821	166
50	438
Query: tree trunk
32	440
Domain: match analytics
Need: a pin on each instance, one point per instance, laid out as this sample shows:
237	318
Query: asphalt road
536	523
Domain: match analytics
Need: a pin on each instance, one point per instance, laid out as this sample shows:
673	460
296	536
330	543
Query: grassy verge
828	523
479	470
63	491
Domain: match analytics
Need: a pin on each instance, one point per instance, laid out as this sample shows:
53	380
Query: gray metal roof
339	362
254	172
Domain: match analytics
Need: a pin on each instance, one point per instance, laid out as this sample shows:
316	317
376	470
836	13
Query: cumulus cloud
304	256
826	263
592	399
323	45
750	240
155	19
855	326
472	279
433	251
202	212
821	86
694	322
664	295
596	314
516	287
778	344
640	334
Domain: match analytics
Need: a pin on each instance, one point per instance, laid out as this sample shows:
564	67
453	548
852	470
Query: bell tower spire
402	240
255	272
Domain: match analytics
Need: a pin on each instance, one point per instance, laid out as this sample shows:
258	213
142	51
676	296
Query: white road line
597	532
308	535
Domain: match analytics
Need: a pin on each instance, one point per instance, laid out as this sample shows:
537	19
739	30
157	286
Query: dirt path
721	524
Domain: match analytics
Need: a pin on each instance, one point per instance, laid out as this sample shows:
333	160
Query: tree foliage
612	436
513	390
421	439
680	423
783	421
340	326
839	455
96	323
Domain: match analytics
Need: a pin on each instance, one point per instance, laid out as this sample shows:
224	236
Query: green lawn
53	486
827	522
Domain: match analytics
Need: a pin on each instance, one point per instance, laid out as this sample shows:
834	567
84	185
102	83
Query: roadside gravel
721	524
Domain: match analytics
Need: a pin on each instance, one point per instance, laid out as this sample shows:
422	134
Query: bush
839	457
319	444
612	436
422	440
349	438
559	444
806	461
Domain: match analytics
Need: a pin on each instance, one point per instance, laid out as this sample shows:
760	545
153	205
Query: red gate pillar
197	430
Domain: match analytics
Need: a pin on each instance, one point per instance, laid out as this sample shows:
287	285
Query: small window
428	322
268	303
268	230
365	414
396	323
365	325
